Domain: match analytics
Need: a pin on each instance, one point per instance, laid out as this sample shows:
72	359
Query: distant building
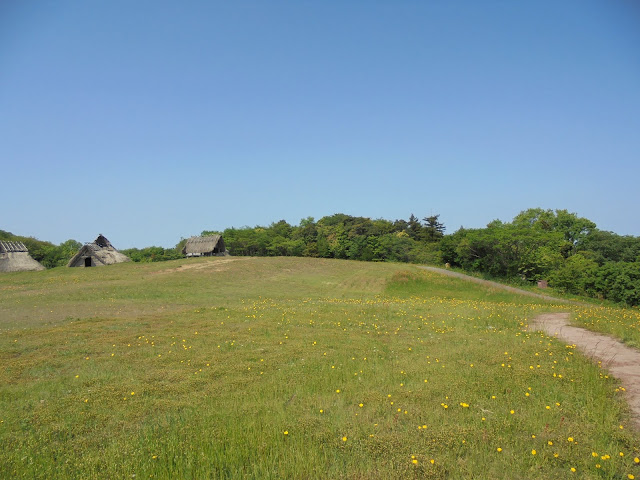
207	246
97	254
14	257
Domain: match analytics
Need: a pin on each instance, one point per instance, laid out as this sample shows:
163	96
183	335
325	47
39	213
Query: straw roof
96	254
14	257
207	245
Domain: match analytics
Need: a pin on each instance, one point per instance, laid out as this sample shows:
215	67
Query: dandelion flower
286	432
499	449
533	452
344	439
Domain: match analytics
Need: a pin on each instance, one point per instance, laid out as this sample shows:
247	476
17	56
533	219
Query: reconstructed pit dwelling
206	246
14	257
97	254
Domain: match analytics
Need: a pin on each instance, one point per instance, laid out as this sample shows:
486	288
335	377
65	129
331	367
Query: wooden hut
14	257
207	246
97	254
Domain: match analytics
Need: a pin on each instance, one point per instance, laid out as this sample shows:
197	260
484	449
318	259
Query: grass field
298	368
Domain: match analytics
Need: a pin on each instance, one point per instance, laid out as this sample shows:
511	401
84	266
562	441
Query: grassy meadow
298	368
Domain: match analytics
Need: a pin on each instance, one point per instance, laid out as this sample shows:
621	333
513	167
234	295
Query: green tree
619	282
433	230
414	227
575	275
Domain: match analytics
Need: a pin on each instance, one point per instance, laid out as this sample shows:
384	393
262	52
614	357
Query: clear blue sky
149	121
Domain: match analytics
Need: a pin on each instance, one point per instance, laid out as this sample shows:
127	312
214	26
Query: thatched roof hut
206	246
14	257
97	254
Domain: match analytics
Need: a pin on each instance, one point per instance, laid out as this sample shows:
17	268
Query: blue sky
149	121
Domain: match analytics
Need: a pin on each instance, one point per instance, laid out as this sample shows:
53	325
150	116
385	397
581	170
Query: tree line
341	236
566	250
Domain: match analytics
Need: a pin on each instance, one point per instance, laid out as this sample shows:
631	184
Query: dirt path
214	264
621	361
499	285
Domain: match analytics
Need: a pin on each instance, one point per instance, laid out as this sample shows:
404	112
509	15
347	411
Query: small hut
207	246
97	254
14	257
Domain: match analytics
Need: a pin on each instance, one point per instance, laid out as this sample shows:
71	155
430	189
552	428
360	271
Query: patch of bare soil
621	361
217	265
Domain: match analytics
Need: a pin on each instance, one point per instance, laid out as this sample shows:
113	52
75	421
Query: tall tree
433	230
414	227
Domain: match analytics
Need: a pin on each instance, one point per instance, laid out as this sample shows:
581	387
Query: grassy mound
293	368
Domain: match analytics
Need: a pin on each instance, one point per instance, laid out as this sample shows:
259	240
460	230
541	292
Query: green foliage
433	230
575	275
619	282
567	250
342	236
153	254
607	246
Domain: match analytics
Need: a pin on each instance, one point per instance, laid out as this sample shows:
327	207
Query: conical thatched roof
96	254
14	257
204	246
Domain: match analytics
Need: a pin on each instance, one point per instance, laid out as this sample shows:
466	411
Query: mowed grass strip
294	368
